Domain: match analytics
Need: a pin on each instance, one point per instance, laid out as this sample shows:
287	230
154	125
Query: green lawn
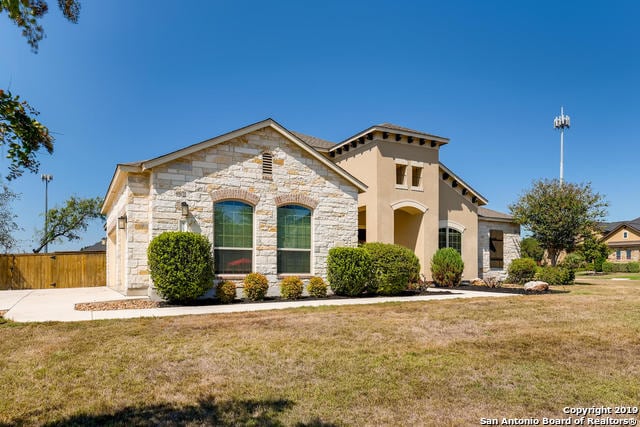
435	363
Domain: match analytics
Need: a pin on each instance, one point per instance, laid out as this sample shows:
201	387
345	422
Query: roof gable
142	166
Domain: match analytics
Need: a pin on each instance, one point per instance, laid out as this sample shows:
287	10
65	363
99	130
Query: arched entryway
407	224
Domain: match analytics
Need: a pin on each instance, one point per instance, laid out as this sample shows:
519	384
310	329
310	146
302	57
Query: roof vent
267	164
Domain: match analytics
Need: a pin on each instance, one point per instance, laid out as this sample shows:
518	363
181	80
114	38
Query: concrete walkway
44	305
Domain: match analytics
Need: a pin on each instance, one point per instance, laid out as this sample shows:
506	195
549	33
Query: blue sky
137	79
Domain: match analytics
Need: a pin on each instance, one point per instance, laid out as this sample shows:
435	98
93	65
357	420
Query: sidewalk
42	305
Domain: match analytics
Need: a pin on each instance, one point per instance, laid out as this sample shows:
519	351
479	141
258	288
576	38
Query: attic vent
267	164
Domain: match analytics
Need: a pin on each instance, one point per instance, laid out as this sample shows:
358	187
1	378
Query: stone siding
511	246
233	170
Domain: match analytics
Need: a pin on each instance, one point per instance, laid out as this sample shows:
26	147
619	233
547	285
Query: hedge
181	265
349	271
555	275
394	267
521	270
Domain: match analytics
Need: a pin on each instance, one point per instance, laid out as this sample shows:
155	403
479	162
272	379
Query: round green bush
291	287
447	267
226	292
256	286
555	275
180	265
573	261
521	270
317	287
394	267
349	271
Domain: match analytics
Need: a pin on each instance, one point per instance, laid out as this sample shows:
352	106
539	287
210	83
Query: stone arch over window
235	194
296	199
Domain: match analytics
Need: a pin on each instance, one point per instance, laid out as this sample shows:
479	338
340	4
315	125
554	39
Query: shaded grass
427	363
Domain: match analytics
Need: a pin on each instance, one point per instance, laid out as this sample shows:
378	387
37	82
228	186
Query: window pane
294	261
294	227
401	172
455	240
442	238
294	232
232	261
416	176
233	225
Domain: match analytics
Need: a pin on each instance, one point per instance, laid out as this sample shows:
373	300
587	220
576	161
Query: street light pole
561	122
46	178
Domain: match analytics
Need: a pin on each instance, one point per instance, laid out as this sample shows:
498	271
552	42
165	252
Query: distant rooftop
608	227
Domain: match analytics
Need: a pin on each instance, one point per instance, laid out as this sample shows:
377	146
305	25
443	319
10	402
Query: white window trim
451	224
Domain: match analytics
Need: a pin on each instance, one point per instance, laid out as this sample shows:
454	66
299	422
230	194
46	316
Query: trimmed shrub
607	267
317	287
598	264
181	265
573	261
633	267
349	271
255	286
521	270
447	267
555	275
291	287
226	292
394	267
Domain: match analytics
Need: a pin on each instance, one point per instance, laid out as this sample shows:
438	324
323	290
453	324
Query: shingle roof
315	142
607	227
490	213
96	247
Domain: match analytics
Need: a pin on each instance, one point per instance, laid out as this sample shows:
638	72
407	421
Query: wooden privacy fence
53	270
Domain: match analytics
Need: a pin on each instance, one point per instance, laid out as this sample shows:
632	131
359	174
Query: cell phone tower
561	122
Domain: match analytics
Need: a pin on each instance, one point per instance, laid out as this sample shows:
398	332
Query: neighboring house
100	246
275	201
623	237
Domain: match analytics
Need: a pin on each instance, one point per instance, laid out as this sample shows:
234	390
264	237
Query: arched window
233	237
450	238
294	239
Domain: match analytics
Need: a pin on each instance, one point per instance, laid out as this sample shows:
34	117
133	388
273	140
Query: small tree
69	220
447	267
594	251
559	214
181	265
530	248
7	218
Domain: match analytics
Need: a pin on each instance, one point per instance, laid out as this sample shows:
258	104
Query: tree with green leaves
530	248
7	218
19	130
69	220
559	214
594	251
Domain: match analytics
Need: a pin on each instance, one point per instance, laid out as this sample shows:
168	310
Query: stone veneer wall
233	170
511	248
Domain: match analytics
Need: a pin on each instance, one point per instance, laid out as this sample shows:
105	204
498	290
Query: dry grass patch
422	363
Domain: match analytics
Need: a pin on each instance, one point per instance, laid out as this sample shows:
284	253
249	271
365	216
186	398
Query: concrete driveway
42	305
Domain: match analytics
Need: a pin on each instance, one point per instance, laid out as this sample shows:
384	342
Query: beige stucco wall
458	212
233	170
618	237
394	214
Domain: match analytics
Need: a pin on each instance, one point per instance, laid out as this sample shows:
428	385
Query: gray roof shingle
490	213
315	142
